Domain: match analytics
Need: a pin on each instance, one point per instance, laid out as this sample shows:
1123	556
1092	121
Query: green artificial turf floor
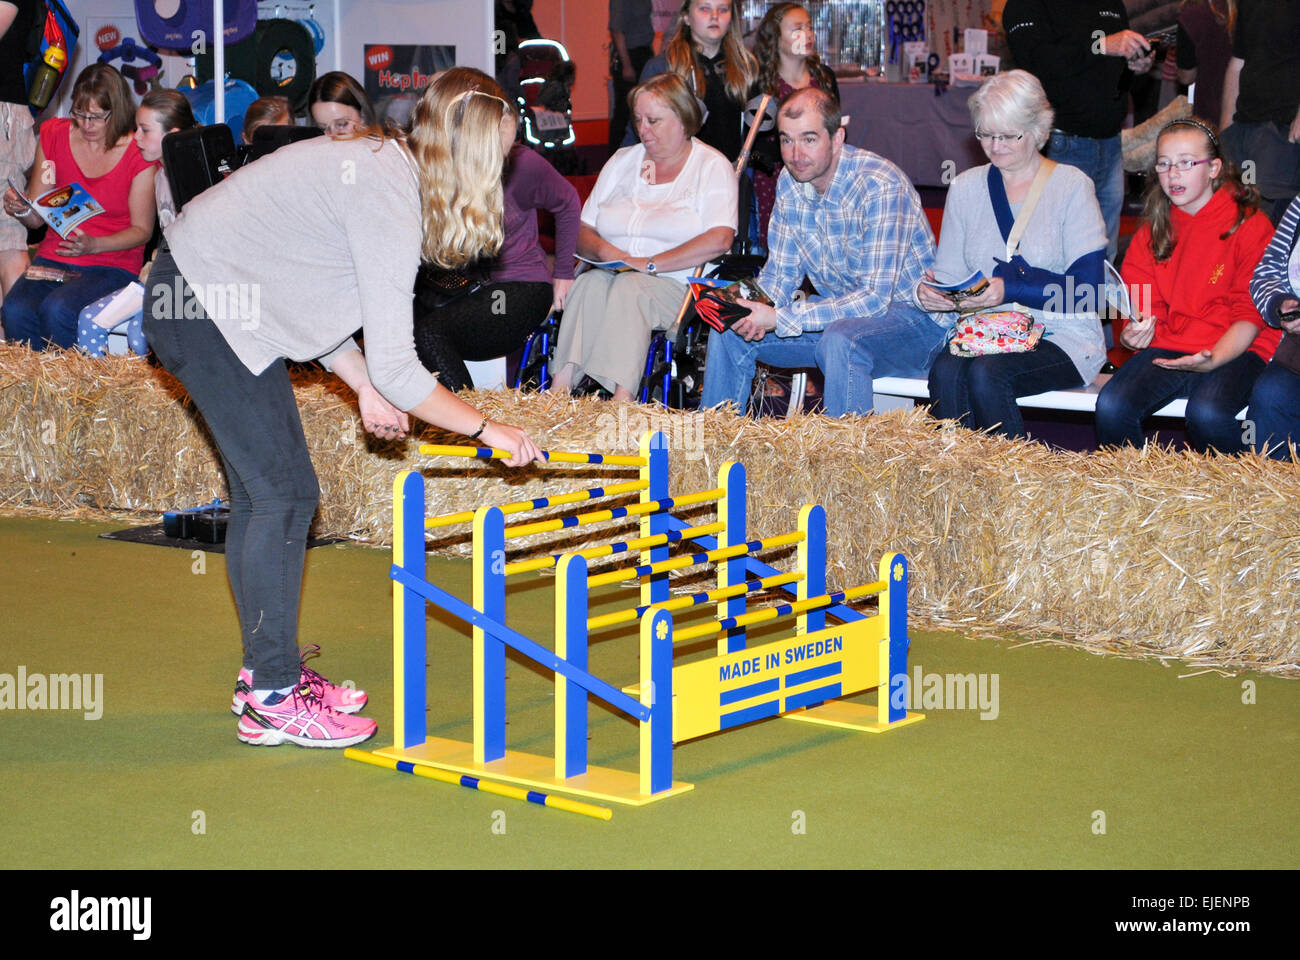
1090	762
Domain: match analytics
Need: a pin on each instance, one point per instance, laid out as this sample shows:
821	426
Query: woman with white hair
1034	229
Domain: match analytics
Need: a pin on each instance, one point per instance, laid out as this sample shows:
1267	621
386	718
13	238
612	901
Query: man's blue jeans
1103	161
902	342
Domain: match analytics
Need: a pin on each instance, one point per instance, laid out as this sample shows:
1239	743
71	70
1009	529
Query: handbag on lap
1004	331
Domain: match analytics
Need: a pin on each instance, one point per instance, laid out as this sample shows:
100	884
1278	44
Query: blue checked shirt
864	244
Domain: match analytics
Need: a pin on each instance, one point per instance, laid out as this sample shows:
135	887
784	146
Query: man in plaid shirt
852	223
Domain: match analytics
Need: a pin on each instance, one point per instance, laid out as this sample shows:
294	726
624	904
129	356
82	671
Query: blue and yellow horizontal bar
554	456
517	641
693	600
483	786
616	513
781	610
609	549
691	559
540	503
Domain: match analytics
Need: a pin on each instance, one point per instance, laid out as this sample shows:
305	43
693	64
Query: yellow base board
530	770
833	713
850	716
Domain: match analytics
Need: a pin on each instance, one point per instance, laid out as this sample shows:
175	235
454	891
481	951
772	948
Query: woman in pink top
96	149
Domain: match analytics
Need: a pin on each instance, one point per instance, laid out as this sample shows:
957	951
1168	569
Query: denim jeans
273	489
42	313
1275	411
1103	161
902	342
1140	388
981	392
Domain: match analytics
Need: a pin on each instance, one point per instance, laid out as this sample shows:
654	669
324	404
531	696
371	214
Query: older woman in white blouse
664	206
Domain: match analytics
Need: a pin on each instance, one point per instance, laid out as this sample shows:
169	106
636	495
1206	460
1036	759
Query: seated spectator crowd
1008	304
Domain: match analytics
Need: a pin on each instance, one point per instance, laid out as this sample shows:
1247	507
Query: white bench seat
1082	399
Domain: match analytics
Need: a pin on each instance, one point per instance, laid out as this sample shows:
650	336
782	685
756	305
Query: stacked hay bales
1141	553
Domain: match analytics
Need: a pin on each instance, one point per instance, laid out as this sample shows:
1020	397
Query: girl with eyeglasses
339	106
1197	333
95	148
284	260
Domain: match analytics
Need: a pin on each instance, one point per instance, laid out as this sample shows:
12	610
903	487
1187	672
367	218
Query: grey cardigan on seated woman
1064	243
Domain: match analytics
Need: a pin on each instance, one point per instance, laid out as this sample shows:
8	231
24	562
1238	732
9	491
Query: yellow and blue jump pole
481	785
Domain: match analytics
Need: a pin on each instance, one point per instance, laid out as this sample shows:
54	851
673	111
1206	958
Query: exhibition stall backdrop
349	26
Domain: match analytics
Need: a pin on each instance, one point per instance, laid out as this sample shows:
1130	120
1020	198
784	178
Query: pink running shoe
342	699
301	719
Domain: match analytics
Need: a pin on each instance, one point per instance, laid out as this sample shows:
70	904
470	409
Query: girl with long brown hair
707	52
1197	332
787	61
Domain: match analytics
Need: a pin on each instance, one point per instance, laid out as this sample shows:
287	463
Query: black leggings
491	323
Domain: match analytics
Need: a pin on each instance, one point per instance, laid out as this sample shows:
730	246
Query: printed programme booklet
618	266
63	208
972	286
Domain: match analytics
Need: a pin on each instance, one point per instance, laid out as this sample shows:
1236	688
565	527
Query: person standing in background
631	45
1204	48
1261	99
17	141
1085	55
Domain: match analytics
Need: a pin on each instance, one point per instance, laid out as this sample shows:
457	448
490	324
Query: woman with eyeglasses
1197	332
284	259
339	105
95	148
1051	276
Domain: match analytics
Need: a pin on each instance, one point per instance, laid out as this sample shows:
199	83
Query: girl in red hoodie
1197	332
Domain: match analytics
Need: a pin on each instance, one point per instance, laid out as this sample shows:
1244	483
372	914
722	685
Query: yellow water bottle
47	76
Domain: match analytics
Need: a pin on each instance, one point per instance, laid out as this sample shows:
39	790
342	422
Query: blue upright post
570	645
489	653
657	694
812	564
732	512
409	623
654	447
893	570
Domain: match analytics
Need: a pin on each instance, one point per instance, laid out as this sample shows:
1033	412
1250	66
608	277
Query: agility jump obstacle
802	677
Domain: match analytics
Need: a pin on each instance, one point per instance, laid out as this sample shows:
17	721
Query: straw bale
1141	553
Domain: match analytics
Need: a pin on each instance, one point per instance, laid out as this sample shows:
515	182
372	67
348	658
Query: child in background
266	112
161	112
1191	262
1275	288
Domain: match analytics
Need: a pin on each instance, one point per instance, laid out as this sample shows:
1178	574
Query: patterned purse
1004	331
1008	331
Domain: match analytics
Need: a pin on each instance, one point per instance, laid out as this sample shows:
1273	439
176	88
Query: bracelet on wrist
479	432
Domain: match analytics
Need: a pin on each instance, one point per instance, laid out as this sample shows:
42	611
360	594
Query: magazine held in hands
716	300
63	208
